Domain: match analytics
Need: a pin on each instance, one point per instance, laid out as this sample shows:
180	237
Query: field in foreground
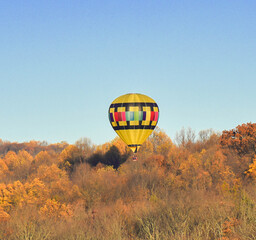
199	188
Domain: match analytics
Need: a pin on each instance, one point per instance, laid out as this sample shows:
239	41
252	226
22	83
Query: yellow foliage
4	216
122	147
70	152
161	142
205	169
105	169
24	157
5	201
51	174
55	210
147	146
18	163
36	191
55	179
11	159
42	157
251	172
3	168
12	195
18	194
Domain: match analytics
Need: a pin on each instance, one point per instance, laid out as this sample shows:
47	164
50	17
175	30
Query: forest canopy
194	187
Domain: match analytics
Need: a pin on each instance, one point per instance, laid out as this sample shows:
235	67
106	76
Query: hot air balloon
133	116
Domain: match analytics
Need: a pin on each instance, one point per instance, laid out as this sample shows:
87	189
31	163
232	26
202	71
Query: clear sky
63	62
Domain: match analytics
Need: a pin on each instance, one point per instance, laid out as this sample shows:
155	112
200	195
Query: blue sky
64	62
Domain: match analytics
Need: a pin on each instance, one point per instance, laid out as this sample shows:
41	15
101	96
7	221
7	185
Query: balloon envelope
133	116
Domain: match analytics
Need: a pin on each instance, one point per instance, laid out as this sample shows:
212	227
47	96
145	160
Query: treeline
32	147
198	187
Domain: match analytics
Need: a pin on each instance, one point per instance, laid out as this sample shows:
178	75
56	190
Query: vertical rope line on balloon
130	97
124	127
143	130
135	99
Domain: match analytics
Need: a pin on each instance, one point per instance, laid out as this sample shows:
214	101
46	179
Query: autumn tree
70	156
185	137
43	158
33	147
95	159
18	164
4	216
3	169
11	160
239	145
113	157
242	139
55	179
85	146
205	170
103	148
204	135
121	145
207	139
146	149
55	210
251	172
161	142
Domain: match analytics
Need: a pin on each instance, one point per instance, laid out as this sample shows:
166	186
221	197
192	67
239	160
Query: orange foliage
54	209
205	169
122	147
55	179
242	139
228	227
18	194
18	164
3	168
11	159
70	152
251	172
4	216
117	142
161	142
36	192
70	156
42	157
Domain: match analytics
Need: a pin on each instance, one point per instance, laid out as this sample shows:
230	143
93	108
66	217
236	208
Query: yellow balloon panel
134	138
133	98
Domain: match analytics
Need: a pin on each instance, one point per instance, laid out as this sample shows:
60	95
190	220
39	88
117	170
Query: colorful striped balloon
133	116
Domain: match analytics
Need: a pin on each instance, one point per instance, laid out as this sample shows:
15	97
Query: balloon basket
134	158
